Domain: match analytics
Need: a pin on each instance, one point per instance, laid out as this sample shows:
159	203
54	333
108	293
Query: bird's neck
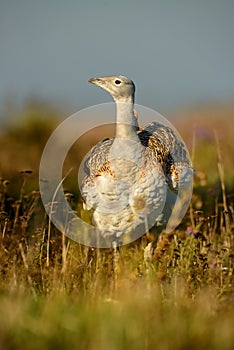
126	124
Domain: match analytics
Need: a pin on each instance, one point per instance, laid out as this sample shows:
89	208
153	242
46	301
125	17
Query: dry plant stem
5	227
51	213
19	203
64	253
221	175
3	193
192	159
32	205
17	207
27	269
115	264
65	248
48	244
43	230
22	188
216	216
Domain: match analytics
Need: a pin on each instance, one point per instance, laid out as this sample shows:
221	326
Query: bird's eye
117	82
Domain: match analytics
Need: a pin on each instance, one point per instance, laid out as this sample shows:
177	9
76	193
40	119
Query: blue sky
177	52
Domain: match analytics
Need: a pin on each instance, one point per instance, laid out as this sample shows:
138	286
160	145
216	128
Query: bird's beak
97	81
103	83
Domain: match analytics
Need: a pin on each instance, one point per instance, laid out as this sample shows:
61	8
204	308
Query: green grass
162	317
57	294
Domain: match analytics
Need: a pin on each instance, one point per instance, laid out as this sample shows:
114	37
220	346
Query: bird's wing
97	157
168	149
171	153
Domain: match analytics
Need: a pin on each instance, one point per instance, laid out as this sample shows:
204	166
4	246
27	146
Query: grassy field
56	294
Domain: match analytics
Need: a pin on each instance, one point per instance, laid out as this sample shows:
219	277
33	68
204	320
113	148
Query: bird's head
121	88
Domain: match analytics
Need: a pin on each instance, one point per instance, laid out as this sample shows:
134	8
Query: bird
139	181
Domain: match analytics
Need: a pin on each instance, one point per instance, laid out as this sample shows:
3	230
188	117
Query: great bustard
134	181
